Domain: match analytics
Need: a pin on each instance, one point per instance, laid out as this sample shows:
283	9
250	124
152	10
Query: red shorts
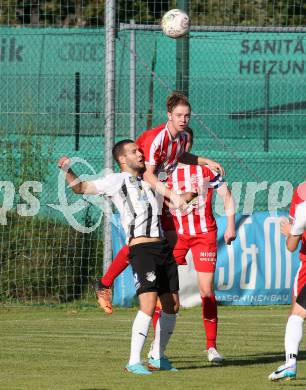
300	279
203	248
166	219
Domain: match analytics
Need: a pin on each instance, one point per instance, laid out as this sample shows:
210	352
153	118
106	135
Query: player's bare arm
178	201
77	186
191	159
293	242
229	207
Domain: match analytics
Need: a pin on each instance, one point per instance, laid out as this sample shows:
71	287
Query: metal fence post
132	82
110	24
267	112
182	56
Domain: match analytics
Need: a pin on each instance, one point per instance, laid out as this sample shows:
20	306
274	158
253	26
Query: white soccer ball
175	23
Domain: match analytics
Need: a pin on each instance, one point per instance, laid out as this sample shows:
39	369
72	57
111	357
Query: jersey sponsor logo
210	260
208	256
150	276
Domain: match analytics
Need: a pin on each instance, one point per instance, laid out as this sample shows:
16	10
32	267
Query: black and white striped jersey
135	201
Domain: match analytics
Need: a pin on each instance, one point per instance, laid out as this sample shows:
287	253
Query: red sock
210	320
156	316
119	264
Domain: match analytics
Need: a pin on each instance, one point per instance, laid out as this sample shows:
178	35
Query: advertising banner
256	269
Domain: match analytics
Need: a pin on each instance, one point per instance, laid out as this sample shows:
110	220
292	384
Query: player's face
179	118
133	158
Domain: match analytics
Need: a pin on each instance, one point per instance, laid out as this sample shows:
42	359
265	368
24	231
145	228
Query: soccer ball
175	23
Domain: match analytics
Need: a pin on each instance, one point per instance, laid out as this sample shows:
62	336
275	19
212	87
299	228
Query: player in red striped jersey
196	230
163	147
295	230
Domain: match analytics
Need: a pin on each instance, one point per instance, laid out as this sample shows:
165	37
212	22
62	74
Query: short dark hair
118	149
176	99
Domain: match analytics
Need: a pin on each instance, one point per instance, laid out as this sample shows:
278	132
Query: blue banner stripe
255	270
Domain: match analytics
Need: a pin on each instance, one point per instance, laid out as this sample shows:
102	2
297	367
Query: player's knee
149	310
147	303
206	292
170	303
172	309
176	307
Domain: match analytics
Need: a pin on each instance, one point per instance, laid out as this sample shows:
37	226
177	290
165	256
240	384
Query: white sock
163	331
293	337
155	347
140	331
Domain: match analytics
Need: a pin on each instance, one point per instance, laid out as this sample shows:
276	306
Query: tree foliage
90	13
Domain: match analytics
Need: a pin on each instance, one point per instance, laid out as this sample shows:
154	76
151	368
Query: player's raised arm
192	159
77	186
229	207
178	201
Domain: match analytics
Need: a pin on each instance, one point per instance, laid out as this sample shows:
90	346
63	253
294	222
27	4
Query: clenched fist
64	163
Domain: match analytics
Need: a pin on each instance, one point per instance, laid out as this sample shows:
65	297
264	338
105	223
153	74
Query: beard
137	167
142	170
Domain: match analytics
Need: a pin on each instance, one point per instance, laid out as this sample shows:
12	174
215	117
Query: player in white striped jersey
154	269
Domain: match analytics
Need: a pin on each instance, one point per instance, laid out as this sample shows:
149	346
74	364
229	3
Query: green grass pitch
77	347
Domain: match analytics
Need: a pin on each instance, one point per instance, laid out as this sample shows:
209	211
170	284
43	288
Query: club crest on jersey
163	155
132	179
194	181
150	276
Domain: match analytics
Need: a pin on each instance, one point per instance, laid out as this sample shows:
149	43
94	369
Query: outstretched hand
188	196
285	226
229	236
181	201
215	166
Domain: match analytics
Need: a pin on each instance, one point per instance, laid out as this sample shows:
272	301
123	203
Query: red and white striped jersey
200	179
297	213
160	149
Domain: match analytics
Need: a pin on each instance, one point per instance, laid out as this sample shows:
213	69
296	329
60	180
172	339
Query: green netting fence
248	97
